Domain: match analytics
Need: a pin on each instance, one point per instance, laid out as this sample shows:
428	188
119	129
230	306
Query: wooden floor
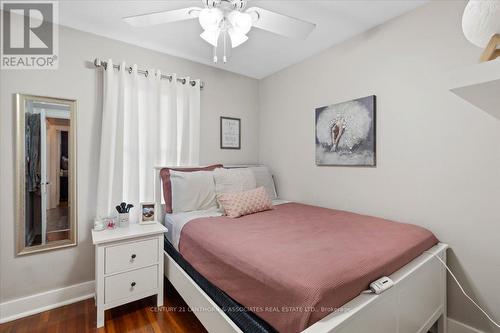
137	317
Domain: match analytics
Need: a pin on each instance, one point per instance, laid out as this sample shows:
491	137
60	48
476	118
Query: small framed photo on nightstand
147	213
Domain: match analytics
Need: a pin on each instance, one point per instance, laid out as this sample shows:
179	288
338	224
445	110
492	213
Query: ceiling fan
228	21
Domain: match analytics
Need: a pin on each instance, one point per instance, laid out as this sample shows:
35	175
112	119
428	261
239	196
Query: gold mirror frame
22	249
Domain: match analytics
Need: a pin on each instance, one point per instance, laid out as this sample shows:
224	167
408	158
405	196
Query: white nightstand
128	265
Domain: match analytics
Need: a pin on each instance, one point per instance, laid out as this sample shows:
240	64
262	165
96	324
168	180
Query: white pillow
192	191
264	178
234	180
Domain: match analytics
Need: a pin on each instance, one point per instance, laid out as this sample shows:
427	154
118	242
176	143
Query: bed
217	268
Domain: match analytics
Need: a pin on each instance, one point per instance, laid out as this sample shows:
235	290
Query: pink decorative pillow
244	203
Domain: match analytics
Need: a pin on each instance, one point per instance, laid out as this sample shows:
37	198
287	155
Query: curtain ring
130	70
170	77
183	81
147	73
192	83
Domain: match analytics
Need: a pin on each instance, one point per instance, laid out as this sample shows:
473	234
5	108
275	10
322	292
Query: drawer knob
133	256
132	284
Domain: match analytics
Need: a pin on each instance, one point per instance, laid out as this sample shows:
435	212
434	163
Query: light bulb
237	38
210	18
241	22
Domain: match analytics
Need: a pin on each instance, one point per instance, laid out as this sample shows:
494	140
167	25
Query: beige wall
438	156
224	94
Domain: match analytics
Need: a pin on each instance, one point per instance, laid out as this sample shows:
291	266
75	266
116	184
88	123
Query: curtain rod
101	63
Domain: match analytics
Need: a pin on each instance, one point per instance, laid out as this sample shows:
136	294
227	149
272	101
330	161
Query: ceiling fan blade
280	24
145	20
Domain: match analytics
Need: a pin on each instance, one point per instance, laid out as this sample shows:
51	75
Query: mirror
46	173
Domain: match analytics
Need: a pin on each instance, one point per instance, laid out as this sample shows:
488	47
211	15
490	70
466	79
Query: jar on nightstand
123	220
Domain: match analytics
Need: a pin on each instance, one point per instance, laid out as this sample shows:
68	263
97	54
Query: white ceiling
263	54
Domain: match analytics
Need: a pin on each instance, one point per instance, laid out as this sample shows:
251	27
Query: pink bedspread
296	263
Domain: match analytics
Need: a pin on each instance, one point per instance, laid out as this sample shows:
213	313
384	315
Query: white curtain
146	122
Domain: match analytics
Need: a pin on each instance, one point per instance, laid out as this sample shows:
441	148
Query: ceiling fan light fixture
210	18
223	19
241	22
211	36
237	38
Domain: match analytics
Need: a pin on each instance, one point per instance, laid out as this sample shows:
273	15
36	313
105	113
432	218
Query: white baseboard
33	304
455	326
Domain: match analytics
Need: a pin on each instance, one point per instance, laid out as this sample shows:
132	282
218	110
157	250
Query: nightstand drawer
129	284
131	255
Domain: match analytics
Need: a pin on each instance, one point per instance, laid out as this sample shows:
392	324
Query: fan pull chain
215	54
224	58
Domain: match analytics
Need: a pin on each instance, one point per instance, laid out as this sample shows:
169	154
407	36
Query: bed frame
415	304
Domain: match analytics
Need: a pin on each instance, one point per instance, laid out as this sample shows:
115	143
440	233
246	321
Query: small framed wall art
230	133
